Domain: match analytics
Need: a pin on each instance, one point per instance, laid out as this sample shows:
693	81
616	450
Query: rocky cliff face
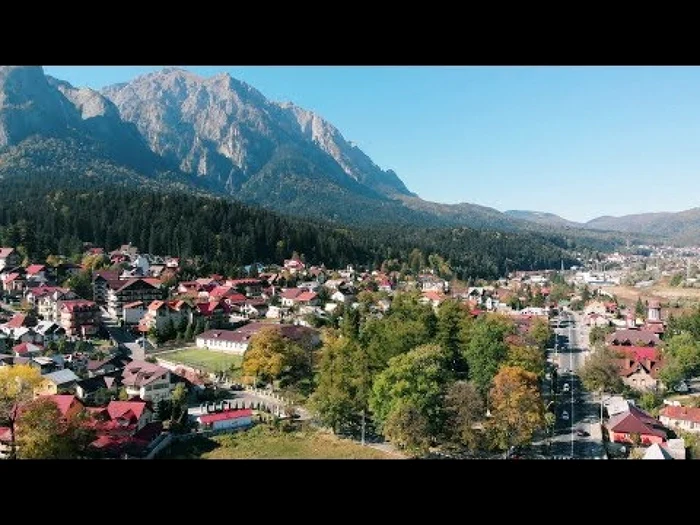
29	105
222	128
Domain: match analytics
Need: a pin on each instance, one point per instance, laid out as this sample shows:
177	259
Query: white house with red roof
147	381
226	420
132	313
124	427
294	265
639	366
160	313
681	418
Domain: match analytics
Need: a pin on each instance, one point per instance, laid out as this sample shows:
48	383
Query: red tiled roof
124	409
25	348
35	268
64	402
11	277
153	282
6	252
226	415
636	421
17	321
306	296
5	434
208	308
291	293
433	296
681	413
638	352
78	303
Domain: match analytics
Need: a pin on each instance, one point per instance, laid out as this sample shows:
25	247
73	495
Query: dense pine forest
46	214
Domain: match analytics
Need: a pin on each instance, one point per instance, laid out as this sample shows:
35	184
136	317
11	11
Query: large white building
148	381
237	341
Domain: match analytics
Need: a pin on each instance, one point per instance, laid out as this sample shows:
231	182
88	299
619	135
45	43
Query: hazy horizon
580	142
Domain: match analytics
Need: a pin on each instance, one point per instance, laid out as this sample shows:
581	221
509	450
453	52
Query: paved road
575	408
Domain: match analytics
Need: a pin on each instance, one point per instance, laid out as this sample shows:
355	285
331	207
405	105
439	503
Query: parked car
566	387
581	433
565	415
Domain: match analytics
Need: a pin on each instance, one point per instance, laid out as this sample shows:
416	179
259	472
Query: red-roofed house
159	313
9	257
639	366
124	426
214	311
294	265
628	337
14	283
102	281
636	421
228	419
288	297
80	318
433	298
682	418
36	270
249	287
27	349
67	404
19	321
147	381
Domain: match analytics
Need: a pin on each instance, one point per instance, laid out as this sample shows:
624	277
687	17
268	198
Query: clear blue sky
577	141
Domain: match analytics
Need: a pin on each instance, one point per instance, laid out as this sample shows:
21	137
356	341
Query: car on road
581	433
566	387
565	415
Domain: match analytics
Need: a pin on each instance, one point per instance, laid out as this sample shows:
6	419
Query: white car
566	387
565	415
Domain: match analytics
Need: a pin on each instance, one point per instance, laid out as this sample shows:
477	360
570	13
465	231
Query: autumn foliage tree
17	385
43	433
270	355
517	411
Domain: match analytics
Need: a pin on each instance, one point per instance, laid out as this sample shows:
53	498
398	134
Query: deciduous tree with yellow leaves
17	385
516	407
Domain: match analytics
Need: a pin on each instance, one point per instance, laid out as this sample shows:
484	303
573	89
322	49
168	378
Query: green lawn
265	442
204	359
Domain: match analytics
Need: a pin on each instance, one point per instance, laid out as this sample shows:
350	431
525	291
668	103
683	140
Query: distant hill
682	227
540	217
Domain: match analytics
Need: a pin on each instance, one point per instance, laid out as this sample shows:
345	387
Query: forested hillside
47	213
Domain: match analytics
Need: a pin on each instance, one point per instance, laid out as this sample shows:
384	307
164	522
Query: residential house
132	290
334	284
432	298
47	300
226	420
109	365
622	426
14	283
213	311
160	313
431	283
86	389
124	428
36	274
294	266
102	281
59	382
249	287
133	313
595	307
9	257
50	331
596	320
342	297
630	337
639	366
80	318
681	418
147	381
46	364
288	297
27	350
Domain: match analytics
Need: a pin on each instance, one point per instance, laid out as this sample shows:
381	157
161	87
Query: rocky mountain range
222	136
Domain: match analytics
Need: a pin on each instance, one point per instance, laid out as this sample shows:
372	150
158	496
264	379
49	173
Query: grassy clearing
203	359
265	442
